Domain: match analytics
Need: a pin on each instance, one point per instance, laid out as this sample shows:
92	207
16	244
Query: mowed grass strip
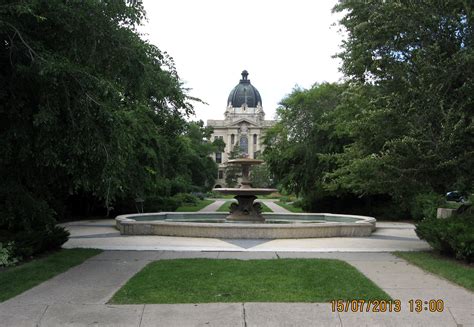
278	280
16	280
193	208
455	271
226	207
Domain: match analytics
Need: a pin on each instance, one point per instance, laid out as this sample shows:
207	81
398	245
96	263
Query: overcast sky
281	43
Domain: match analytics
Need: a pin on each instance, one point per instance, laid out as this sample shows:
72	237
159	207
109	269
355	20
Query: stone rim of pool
324	225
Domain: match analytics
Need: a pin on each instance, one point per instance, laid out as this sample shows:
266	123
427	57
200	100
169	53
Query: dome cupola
244	93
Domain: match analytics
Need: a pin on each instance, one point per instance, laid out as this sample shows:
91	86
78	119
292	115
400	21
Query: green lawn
455	271
270	196
226	207
222	196
16	280
289	207
193	208
278	280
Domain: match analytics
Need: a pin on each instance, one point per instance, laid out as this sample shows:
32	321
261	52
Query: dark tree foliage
417	135
302	149
402	125
297	146
202	169
233	172
260	175
91	115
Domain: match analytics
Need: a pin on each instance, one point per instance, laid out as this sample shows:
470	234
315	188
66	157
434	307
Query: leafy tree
233	172
402	124
91	115
417	132
219	145
260	176
296	147
201	168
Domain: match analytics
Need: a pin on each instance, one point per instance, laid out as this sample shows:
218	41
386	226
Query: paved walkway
79	297
102	234
275	207
213	206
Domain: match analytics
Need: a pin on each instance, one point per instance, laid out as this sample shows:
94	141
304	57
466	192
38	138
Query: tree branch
31	52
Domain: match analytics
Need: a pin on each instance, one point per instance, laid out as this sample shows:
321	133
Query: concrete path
405	282
275	207
79	297
213	206
102	234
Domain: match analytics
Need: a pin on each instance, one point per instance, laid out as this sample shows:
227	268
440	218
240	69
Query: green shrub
161	203
213	195
180	184
23	210
7	255
470	198
30	243
453	236
380	206
424	205
298	203
199	195
28	225
186	198
287	198
150	204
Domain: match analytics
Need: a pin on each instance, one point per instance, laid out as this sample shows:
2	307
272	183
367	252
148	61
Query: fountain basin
215	225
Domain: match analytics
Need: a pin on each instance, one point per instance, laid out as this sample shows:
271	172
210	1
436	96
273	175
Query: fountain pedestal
245	209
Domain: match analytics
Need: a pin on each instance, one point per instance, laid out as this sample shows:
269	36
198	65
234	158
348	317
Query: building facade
244	125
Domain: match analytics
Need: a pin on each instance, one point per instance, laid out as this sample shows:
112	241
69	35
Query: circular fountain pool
215	225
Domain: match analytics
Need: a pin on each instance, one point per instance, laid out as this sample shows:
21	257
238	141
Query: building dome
244	92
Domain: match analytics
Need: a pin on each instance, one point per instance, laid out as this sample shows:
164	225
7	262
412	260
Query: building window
244	144
254	138
221	174
232	139
218	137
218	157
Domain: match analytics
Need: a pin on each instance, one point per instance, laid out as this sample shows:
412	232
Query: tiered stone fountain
245	209
245	220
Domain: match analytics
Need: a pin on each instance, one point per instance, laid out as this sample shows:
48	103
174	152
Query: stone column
228	143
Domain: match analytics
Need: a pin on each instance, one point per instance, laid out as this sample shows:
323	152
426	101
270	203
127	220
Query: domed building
244	125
